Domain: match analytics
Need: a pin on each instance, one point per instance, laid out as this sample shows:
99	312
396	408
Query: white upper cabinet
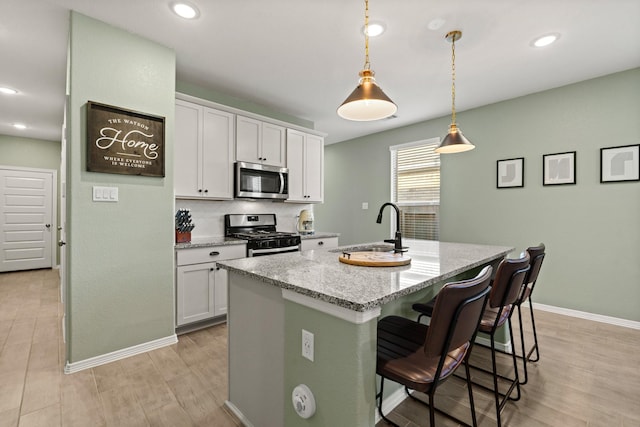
260	142
203	152
305	161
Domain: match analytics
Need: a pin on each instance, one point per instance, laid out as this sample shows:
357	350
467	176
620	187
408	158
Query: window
415	188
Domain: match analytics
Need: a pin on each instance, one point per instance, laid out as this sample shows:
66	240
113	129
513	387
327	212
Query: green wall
29	153
591	230
33	153
120	255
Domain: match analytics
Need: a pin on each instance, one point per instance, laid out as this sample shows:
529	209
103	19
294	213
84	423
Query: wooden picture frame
620	164
510	173
559	168
123	141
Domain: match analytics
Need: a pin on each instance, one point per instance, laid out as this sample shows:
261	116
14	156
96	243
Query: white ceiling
302	57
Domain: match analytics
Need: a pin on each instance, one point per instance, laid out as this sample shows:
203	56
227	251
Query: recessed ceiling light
545	40
436	24
185	10
19	126
375	29
8	90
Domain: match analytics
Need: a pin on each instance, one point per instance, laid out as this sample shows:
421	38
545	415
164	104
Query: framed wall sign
559	168
510	173
124	141
619	164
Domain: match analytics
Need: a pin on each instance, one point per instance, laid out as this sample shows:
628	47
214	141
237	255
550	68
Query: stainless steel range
259	230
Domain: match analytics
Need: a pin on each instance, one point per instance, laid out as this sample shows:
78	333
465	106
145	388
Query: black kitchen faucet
397	248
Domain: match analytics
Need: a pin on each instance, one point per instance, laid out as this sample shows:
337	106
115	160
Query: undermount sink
377	249
367	248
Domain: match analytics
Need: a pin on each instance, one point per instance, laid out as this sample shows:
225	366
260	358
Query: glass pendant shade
367	102
454	142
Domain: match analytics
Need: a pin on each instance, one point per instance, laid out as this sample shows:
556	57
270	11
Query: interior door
26	219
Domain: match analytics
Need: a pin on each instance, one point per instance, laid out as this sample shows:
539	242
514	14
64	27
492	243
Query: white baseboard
92	362
588	316
238	414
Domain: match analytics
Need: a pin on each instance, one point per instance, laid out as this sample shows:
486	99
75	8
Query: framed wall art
559	168
123	141
620	164
510	173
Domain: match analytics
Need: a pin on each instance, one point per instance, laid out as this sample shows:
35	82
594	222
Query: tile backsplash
208	216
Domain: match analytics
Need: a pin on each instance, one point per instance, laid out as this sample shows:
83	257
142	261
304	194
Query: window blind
415	187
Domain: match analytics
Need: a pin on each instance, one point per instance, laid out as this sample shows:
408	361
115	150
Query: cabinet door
248	132
195	293
188	128
217	154
221	286
273	145
295	164
314	169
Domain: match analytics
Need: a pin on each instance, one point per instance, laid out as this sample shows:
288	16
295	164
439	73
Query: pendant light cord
453	80
367	65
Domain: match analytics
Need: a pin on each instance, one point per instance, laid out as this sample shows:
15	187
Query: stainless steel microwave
256	181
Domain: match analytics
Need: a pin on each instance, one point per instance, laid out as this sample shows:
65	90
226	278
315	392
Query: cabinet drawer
319	243
212	253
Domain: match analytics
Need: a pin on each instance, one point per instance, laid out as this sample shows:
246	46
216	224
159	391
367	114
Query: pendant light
367	102
454	142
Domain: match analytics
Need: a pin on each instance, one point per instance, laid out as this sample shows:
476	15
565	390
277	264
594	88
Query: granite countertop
318	274
206	242
319	235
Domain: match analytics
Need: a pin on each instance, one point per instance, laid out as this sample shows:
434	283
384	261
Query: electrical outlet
307	345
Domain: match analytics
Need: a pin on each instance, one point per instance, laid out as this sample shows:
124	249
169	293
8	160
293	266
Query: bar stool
536	253
506	288
421	357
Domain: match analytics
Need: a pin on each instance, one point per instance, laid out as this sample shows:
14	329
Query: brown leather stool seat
401	350
506	291
420	357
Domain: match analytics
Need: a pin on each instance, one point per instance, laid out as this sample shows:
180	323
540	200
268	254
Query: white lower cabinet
319	243
201	286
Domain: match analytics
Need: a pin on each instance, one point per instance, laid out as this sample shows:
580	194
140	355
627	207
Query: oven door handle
258	252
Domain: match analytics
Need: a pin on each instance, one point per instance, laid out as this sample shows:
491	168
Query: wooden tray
375	259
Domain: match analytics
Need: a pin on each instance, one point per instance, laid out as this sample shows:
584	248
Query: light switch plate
105	194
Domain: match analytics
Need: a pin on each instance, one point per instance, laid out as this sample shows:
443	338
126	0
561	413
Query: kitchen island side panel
256	329
342	376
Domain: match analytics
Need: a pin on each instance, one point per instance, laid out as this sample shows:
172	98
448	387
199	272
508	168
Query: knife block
183	236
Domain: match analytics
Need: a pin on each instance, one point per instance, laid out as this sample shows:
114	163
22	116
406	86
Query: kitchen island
272	299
